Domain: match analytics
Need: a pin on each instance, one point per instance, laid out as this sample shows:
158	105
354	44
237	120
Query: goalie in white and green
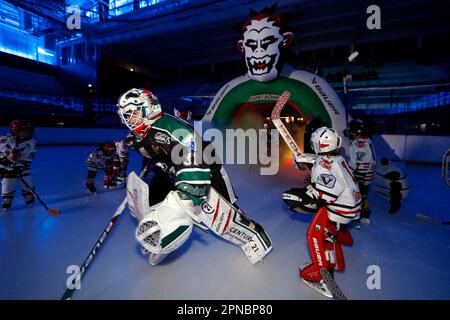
201	193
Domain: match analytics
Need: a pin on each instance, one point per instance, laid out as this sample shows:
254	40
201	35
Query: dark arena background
64	64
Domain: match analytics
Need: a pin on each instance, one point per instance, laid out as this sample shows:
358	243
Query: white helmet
325	140
138	110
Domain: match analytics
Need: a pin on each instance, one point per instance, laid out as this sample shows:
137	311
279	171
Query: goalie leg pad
165	228
344	236
323	247
228	222
137	196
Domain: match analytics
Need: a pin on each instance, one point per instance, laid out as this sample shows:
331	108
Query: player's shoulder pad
175	127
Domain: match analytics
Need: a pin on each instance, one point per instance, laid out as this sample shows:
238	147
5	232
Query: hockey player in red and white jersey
17	151
335	198
103	158
362	161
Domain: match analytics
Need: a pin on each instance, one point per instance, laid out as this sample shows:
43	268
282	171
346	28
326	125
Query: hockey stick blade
275	116
332	285
423	216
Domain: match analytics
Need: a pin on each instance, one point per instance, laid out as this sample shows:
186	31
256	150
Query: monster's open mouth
262	65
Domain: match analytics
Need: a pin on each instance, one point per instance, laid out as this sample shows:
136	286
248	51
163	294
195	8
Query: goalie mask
325	140
138	110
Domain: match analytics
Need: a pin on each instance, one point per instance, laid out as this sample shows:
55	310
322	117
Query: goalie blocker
164	227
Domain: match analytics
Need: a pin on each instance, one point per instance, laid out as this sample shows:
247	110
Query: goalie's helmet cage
325	140
138	110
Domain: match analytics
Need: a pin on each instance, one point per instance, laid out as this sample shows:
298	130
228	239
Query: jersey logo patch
162	138
326	180
360	155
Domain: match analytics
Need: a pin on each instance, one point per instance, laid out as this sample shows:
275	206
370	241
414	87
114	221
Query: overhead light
353	56
90	85
131	69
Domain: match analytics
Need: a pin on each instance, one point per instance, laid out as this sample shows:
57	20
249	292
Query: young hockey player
335	198
201	192
362	161
103	158
17	151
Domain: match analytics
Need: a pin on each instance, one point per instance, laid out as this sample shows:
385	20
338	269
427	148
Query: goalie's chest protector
160	140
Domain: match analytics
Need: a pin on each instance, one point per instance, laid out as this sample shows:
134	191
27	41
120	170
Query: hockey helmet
108	148
357	128
21	130
139	109
325	140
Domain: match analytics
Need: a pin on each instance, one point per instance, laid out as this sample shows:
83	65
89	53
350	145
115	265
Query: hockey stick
35	195
423	216
276	113
332	285
69	291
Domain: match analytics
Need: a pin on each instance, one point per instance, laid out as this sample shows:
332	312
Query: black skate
29	202
6	205
91	187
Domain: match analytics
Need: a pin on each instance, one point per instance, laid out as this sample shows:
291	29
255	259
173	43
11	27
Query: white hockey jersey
334	183
26	149
362	159
121	149
98	160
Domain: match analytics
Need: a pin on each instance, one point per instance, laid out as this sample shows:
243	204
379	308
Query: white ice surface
36	248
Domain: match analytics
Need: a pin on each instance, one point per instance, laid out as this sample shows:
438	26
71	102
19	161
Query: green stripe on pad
174	235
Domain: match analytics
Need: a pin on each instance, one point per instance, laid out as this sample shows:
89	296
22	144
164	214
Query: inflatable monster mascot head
264	39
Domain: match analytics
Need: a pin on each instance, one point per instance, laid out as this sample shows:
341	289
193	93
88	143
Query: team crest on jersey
326	180
360	155
162	138
325	164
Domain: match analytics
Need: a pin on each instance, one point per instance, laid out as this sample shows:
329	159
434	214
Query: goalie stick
276	113
423	216
332	285
70	290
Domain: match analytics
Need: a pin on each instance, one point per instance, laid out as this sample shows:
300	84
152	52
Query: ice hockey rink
36	248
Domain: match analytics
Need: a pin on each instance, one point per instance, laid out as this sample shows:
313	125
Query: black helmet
21	130
108	148
358	128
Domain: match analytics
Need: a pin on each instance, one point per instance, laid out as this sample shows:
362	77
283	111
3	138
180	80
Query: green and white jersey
172	144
